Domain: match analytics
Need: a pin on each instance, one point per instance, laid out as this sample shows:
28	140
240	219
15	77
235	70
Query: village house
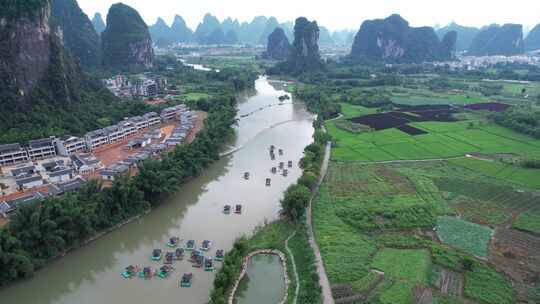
69	145
41	148
86	163
12	154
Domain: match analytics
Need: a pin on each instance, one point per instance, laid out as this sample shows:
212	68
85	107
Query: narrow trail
323	278
296	277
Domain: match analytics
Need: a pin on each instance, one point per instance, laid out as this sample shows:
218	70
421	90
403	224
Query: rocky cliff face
126	40
209	31
278	46
79	34
498	40
465	35
393	40
161	33
98	23
181	32
32	57
532	42
304	55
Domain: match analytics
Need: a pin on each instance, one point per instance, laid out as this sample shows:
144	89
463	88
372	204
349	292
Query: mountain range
394	40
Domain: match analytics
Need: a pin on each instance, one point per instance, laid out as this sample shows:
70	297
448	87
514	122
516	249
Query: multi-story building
41	148
69	145
12	154
86	163
152	118
139	122
96	138
114	133
173	113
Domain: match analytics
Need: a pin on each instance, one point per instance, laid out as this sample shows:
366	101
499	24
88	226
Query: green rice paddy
444	140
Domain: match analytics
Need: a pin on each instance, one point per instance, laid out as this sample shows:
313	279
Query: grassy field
445	140
528	221
467	236
194	96
488	286
514	174
403	264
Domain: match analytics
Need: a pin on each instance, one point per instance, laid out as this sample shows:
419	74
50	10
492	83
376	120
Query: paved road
323	279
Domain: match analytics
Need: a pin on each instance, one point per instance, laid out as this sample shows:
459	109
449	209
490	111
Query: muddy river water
92	274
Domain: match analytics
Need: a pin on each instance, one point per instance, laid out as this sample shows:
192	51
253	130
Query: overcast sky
335	14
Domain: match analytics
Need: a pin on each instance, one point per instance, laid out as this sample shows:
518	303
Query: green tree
295	202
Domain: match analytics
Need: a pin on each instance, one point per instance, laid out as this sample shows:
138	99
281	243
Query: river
92	274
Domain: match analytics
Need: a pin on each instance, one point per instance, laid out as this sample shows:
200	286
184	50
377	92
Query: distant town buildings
472	63
136	86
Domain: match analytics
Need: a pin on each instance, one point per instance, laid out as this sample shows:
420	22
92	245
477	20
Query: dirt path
323	279
296	278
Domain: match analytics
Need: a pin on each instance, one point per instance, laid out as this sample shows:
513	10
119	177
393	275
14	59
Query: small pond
263	283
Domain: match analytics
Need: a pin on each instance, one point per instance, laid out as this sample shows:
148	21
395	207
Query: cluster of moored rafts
237	209
196	257
282	169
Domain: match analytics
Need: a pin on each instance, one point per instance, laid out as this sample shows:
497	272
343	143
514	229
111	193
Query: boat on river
165	271
290	164
220	254
190	245
268	181
173	242
146	273
274	170
238	209
129	272
280	151
205	246
208	264
227	209
246	175
169	258
285	172
156	254
198	261
179	254
186	280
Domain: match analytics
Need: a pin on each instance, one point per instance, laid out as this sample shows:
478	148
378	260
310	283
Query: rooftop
40	143
10	148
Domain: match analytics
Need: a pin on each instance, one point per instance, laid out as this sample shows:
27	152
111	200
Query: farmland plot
470	237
